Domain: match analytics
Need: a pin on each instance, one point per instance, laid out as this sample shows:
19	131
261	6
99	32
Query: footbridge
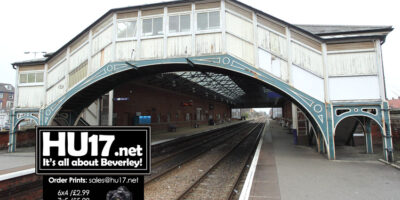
235	54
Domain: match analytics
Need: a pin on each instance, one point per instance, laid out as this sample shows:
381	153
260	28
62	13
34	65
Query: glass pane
131	29
157	26
173	24
185	23
23	78
202	19
147	26
121	33
39	77
31	77
214	19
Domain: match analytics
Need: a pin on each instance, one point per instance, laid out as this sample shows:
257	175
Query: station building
186	63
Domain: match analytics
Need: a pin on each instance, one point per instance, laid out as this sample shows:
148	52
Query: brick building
6	103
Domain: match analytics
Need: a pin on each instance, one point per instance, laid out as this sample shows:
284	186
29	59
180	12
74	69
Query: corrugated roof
340	29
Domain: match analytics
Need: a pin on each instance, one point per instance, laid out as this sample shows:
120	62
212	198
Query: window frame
152	17
208	11
29	72
179	14
127	38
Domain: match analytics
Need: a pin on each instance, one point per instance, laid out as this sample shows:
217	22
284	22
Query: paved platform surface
297	172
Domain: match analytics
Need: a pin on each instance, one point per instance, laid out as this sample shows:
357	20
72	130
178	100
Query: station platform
286	171
24	158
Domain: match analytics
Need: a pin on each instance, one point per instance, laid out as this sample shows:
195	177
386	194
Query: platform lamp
35	52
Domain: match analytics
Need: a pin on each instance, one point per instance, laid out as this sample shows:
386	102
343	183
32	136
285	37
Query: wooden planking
57	59
124	50
152	48
30	97
56	74
305	40
308	83
55	92
239	10
102	40
270	24
183	8
240	48
347	64
307	59
78	57
278	45
208	43
77	74
77	43
30	68
239	27
179	46
263	38
126	15
284	70
208	5
157	11
350	46
104	23
95	62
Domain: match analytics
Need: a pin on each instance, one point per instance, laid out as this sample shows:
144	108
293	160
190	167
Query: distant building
6	103
394	103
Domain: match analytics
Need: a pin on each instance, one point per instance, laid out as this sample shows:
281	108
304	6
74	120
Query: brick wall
24	138
162	104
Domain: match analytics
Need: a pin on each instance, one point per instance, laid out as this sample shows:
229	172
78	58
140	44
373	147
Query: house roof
321	30
6	88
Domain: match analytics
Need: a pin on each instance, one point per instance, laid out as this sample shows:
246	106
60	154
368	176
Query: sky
46	25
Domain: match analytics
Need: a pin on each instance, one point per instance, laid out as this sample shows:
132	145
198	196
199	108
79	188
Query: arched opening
25	131
257	92
358	138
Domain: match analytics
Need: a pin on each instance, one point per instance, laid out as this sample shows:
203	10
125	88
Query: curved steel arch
316	109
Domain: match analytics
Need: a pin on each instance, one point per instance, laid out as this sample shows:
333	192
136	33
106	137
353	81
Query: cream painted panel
95	63
152	48
179	46
240	48
362	63
102	40
307	59
56	74
56	92
354	88
308	83
263	38
208	43
78	57
278	45
273	65
30	97
124	50
107	54
239	27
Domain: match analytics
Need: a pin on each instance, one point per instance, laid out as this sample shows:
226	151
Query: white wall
354	88
308	83
30	97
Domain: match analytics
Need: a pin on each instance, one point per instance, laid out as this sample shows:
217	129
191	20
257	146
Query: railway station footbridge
239	54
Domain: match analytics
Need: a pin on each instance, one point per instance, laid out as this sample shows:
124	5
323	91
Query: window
208	20
10	96
179	23
1	95
9	104
126	29
31	77
153	26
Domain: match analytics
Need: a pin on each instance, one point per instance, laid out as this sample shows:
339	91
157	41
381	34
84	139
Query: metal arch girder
316	108
356	110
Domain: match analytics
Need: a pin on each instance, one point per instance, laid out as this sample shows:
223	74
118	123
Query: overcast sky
46	25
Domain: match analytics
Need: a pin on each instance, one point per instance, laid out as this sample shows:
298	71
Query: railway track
214	174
